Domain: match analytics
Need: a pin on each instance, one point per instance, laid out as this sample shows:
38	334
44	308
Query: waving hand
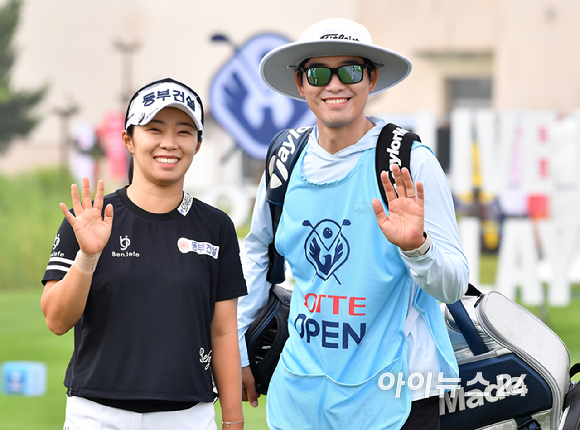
403	226
91	229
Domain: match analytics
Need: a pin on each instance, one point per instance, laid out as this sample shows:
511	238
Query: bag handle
466	326
573	395
572	420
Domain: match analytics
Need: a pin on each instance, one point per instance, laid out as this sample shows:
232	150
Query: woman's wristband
86	263
231	423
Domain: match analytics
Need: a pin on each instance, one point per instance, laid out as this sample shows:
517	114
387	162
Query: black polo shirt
145	332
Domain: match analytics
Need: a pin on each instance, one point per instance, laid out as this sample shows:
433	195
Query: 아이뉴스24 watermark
456	395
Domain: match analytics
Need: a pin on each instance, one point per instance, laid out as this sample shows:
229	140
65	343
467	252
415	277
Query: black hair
370	66
130	130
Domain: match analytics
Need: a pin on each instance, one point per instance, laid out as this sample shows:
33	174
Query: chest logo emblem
125	242
326	248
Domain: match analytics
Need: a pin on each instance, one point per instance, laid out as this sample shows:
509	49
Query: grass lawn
24	337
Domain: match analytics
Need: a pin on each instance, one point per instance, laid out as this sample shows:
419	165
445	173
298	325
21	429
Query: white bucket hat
330	37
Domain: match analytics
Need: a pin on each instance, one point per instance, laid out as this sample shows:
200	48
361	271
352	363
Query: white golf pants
83	414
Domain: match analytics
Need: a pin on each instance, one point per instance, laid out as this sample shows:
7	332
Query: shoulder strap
282	155
393	147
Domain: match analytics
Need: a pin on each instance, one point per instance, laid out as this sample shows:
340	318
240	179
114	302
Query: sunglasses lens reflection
320	76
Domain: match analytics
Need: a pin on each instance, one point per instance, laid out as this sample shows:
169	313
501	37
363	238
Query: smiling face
163	149
337	104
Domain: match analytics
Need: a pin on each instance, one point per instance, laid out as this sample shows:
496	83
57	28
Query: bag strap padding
394	146
284	151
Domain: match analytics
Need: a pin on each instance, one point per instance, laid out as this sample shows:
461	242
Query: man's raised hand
403	226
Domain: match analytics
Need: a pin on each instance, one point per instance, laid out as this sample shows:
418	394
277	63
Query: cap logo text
338	37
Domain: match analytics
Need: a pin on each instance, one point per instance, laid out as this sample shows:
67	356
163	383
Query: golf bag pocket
499	385
514	370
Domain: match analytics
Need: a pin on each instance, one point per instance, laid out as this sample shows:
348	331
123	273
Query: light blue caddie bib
348	309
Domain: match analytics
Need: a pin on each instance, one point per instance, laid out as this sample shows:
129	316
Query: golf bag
267	335
514	371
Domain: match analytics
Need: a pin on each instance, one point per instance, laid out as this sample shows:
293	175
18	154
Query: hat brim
159	108
278	67
188	111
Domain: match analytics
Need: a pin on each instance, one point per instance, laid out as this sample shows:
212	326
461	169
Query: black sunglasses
320	76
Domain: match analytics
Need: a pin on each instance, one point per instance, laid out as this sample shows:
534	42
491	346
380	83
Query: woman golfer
149	278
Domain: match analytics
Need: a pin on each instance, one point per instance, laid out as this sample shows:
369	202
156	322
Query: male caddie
368	348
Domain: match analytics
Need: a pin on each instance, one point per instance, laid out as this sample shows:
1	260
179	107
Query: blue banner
245	107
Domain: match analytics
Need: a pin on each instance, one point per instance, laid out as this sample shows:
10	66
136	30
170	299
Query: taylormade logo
393	151
279	159
457	400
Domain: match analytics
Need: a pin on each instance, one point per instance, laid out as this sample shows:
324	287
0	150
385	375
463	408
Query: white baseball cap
153	97
331	37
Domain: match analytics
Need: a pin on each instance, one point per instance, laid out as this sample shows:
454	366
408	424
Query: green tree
16	118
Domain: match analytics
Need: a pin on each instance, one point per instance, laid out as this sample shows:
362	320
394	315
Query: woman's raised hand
92	230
